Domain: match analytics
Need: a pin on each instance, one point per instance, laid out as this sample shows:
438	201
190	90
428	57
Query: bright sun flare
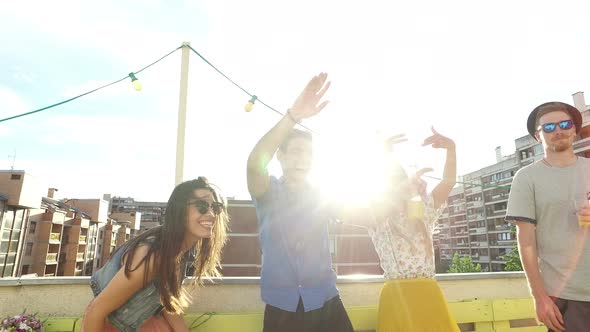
353	171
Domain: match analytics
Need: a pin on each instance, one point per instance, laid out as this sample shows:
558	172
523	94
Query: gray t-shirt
545	196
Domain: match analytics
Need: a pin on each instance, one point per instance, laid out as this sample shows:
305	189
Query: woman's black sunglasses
203	207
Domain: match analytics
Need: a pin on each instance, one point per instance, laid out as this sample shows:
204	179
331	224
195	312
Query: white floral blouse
403	248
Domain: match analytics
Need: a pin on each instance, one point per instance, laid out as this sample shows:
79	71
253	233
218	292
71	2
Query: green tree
463	264
512	258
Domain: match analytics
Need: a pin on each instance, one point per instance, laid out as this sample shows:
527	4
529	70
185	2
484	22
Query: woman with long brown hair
140	287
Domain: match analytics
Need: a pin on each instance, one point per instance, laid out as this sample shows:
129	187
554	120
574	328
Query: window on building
8	219
25	269
13	246
33	227
8	270
29	249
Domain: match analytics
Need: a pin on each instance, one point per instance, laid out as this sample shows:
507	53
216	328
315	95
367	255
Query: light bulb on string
250	103
136	83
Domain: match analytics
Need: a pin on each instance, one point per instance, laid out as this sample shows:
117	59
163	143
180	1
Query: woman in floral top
402	227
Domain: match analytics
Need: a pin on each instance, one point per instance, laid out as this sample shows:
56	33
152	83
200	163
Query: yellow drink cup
416	209
583	212
583	218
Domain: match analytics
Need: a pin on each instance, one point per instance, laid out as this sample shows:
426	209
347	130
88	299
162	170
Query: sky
472	69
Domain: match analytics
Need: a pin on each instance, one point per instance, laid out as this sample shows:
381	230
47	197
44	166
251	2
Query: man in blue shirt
297	282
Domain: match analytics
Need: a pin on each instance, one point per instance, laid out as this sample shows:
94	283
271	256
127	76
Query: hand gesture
439	141
308	103
548	313
417	184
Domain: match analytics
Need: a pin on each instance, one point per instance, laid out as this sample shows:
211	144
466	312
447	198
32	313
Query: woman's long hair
165	243
399	190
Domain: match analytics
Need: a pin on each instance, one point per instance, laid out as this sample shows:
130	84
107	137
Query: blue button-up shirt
296	260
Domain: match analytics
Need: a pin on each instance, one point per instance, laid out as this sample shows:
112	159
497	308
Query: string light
248	107
88	92
136	83
241	88
250	103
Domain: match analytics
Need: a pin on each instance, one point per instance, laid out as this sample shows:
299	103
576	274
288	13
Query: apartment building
62	239
19	193
151	214
48	237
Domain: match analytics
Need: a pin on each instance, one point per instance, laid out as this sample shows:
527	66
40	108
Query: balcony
51	258
54	238
455	202
474	190
499	228
527	160
498	260
479	244
479	230
80	257
474	204
456	213
497	213
460	223
500	197
477	216
503	300
82	239
503	243
459	235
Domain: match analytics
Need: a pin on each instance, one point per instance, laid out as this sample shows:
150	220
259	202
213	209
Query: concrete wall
21	189
97	209
68	296
133	217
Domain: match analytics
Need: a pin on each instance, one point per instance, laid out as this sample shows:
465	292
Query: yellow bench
472	315
496	315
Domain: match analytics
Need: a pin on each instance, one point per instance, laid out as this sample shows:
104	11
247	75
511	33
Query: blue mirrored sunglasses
550	127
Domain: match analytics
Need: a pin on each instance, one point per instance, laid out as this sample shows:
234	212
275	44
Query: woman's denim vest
139	308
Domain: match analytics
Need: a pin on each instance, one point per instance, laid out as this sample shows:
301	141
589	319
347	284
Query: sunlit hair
165	250
295	133
398	177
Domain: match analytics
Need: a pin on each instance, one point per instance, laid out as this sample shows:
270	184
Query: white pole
182	113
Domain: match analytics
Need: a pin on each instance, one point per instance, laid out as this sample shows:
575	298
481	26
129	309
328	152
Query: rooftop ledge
483	301
68	296
362	278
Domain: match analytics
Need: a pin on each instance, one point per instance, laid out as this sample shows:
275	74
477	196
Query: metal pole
182	113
